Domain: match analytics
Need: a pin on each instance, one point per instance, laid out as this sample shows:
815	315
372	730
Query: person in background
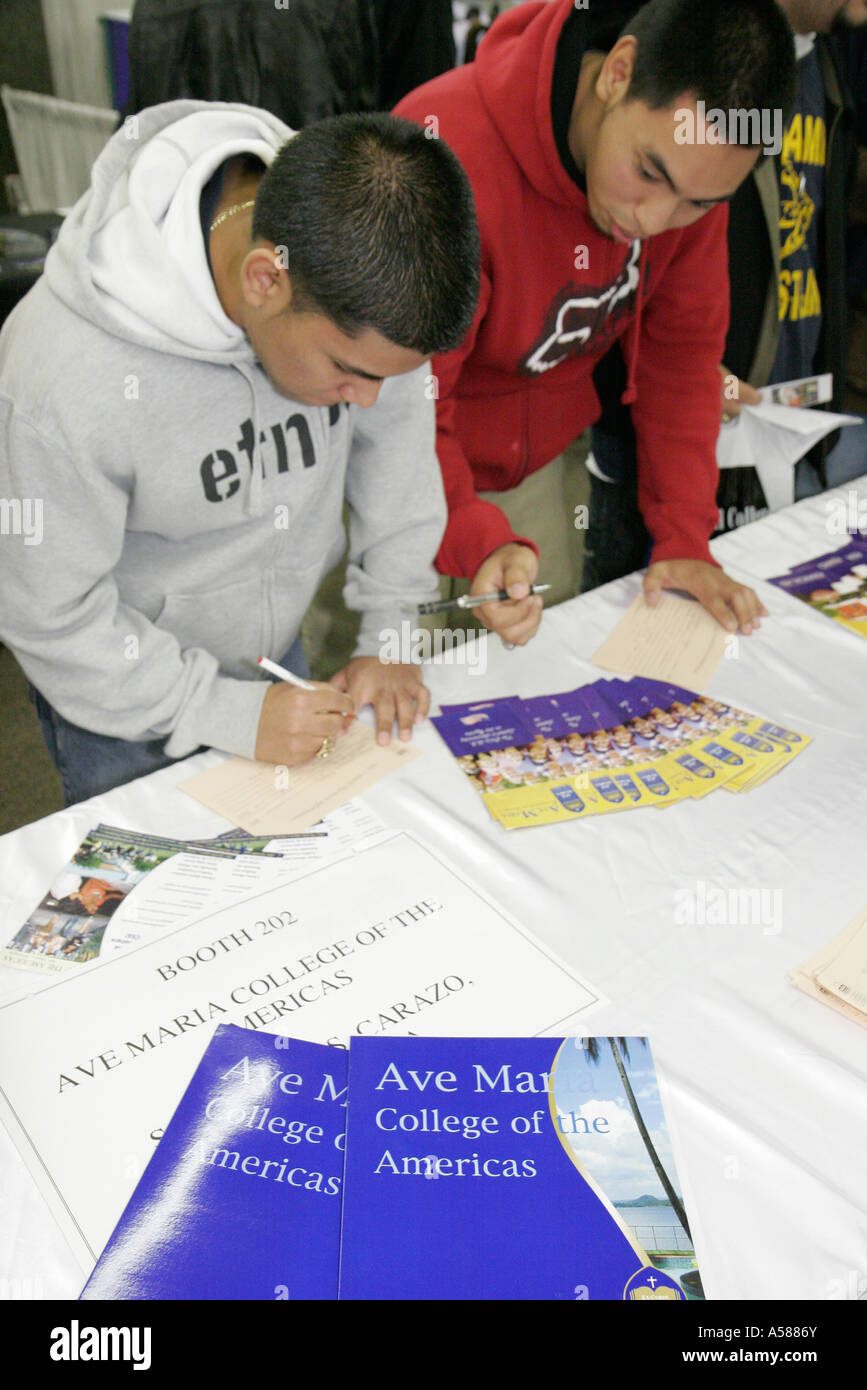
597	225
476	32
303	60
416	43
787	273
465	17
852	45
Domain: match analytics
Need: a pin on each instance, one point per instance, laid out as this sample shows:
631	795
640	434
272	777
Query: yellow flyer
608	747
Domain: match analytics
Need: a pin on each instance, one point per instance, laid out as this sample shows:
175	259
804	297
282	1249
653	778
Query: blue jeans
848	458
91	763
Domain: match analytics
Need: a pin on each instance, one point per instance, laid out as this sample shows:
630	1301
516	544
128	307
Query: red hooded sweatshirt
520	388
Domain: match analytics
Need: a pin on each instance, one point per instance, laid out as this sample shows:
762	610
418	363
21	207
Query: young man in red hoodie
601	188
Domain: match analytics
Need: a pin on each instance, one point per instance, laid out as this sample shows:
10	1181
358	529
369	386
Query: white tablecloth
764	1088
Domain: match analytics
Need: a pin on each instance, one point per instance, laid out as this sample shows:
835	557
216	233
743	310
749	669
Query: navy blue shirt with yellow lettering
802	196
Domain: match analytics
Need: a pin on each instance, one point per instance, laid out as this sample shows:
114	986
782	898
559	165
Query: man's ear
265	281
615	75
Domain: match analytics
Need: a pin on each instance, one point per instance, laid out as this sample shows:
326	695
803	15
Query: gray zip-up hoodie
186	509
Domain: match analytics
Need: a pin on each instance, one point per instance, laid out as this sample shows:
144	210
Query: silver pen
474	600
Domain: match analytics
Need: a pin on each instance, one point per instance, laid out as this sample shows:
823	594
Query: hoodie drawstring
630	395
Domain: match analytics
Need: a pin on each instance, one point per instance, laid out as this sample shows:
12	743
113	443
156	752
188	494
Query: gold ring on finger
326	748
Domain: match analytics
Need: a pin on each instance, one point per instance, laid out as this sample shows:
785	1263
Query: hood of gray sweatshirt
175	512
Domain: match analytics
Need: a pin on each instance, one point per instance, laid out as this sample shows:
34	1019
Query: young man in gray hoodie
229	340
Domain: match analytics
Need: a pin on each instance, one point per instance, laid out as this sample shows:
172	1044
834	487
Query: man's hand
294	723
395	690
736	393
513	568
733	605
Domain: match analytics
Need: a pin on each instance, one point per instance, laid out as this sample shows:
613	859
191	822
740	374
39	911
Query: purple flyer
854	552
483	727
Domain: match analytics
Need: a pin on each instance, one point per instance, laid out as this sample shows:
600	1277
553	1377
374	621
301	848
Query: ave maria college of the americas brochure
510	1168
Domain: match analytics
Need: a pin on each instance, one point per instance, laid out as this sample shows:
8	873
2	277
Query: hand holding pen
300	719
511	569
466	601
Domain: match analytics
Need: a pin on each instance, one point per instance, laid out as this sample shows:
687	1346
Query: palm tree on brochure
621	1046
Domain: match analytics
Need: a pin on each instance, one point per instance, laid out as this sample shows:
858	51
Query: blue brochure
556	716
603	712
662	694
510	1168
241	1199
483	727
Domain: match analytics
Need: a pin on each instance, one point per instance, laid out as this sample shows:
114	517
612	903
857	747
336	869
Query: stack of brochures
122	887
409	1168
837	975
834	584
90	909
612	746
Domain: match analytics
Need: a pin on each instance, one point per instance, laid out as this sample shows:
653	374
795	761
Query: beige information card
837	974
266	799
676	641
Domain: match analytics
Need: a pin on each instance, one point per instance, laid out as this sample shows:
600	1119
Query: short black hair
375	220
730	54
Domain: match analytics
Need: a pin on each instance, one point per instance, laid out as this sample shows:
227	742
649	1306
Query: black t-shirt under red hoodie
520	388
